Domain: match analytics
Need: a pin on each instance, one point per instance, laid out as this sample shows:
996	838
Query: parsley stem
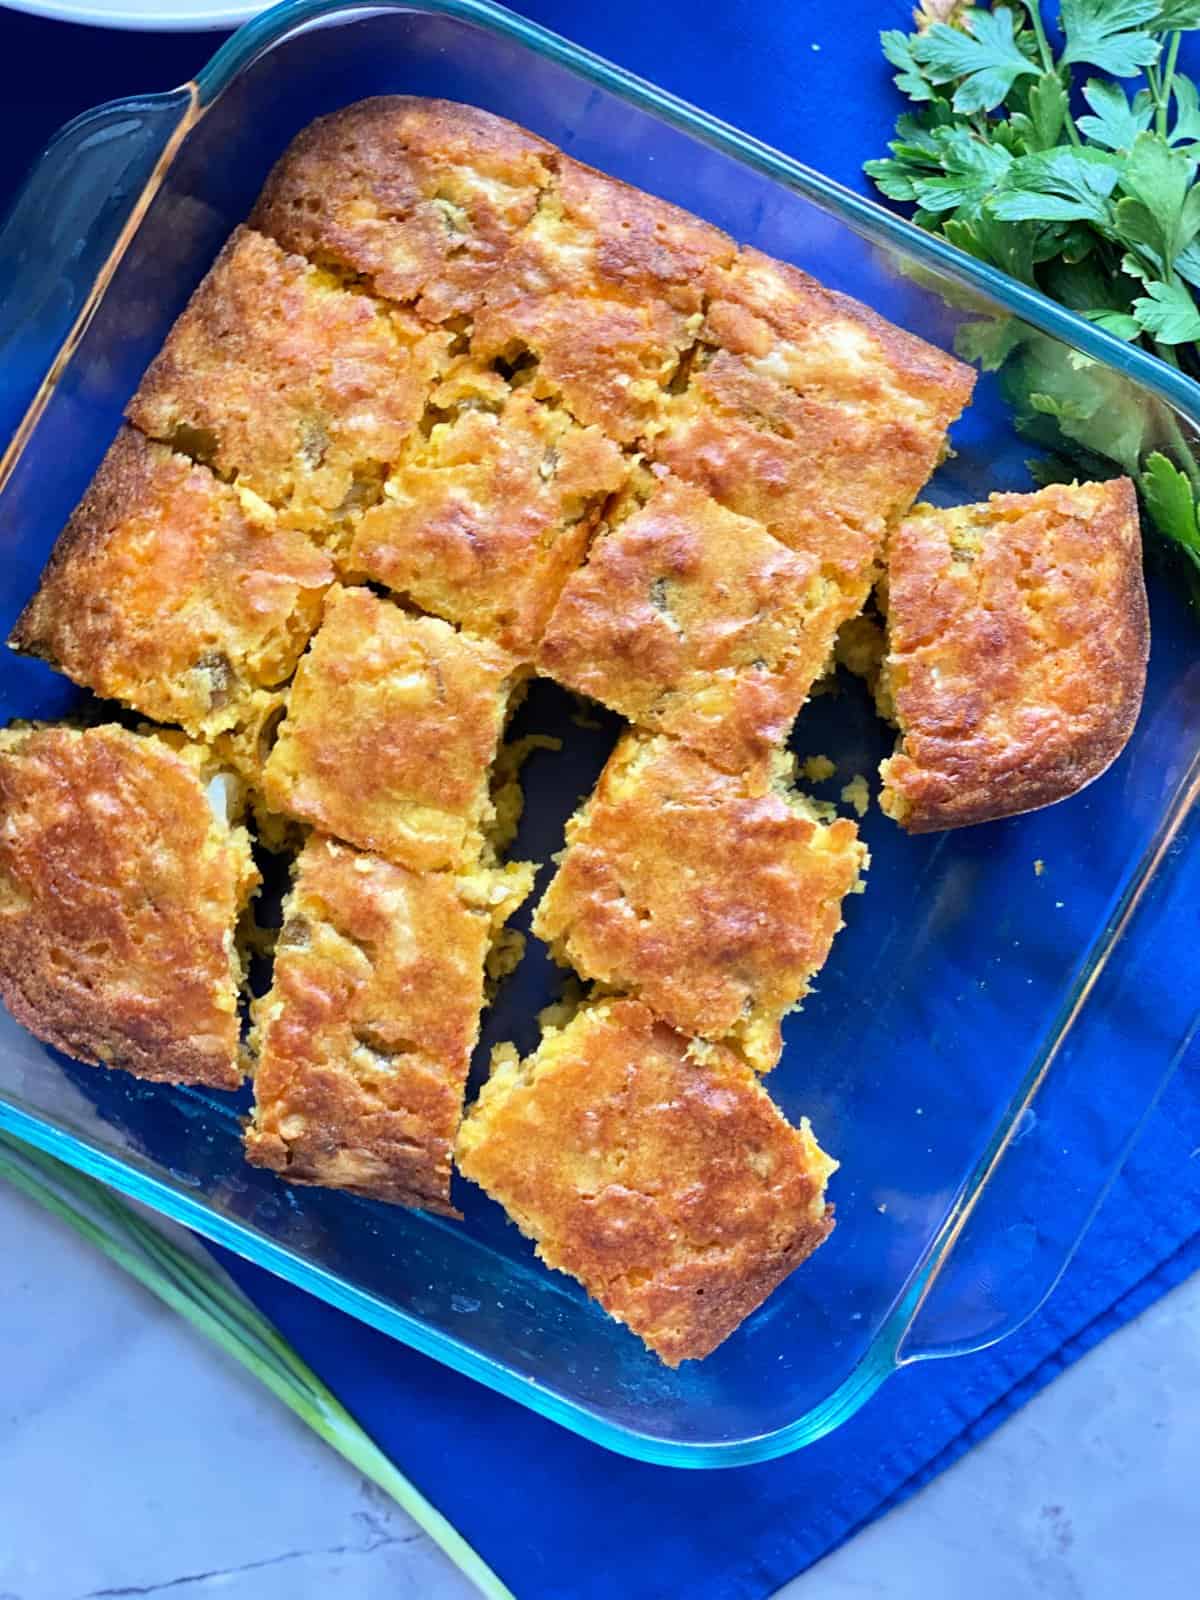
1046	55
1168	78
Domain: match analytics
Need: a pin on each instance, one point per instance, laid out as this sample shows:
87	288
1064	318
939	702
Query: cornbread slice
174	592
364	1040
392	725
652	1167
418	198
807	412
714	898
599	298
489	510
1017	643
121	882
691	620
300	389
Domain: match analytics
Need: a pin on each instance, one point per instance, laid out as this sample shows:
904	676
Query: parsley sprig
1071	165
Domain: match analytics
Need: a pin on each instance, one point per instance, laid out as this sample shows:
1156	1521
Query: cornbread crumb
653	1168
1038	868
857	793
364	1040
1017	645
714	898
817	769
171	592
392	725
123	873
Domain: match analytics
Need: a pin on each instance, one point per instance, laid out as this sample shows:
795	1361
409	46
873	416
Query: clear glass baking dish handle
66	232
1132	1018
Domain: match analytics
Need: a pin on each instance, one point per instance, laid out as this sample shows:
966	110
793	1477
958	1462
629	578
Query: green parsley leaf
892	178
1187	263
1177	14
988	60
1040	126
910	80
1116	123
1168	313
1109	34
1161	209
972	170
1186	131
1171	501
989	341
1059	185
1118	322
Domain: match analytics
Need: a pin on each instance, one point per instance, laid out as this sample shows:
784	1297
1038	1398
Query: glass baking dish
998	1010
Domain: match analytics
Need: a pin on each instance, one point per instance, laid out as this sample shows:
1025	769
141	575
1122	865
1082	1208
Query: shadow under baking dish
977	1017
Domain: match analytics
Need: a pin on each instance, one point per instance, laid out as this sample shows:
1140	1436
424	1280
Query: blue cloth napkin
560	1519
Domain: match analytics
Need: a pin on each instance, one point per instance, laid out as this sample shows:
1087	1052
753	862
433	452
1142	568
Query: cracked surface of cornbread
364	1040
392	725
171	591
489	509
302	390
419	199
690	620
601	296
1017	642
713	897
652	1167
121	884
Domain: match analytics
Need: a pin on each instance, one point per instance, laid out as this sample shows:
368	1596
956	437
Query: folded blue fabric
811	81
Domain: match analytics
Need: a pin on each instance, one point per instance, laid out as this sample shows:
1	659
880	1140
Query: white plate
160	16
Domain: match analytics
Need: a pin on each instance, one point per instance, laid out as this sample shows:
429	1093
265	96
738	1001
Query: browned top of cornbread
693	621
173	592
713	897
490	509
364	1040
806	411
1017	644
419	198
392	724
301	389
120	888
655	1169
599	298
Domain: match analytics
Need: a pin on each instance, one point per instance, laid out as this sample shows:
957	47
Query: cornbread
1017	643
174	592
419	200
302	390
489	509
392	725
690	620
652	1167
364	1040
712	897
600	298
121	882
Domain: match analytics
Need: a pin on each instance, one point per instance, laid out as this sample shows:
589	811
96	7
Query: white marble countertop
136	1460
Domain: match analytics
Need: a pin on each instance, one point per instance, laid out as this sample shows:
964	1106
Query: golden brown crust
365	1038
420	198
1017	642
601	295
392	725
807	412
654	1169
490	509
713	898
171	592
302	390
119	894
692	621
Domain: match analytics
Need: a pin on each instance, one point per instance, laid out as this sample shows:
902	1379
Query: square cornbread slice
392	725
418	199
652	1167
691	620
122	879
364	1040
713	897
299	388
489	508
804	410
1017	642
599	298
174	592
